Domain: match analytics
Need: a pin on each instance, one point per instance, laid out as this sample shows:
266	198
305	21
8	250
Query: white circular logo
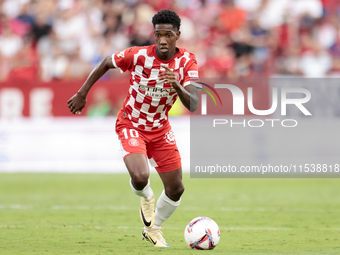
133	142
170	137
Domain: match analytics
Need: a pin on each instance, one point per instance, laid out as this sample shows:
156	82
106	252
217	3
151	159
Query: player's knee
175	193
180	191
140	180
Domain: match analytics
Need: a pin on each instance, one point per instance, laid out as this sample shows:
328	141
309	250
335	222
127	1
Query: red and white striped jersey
149	100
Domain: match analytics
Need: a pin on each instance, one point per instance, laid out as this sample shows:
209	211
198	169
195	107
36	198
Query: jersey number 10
133	133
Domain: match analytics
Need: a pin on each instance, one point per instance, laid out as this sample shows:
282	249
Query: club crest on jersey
178	76
133	142
170	137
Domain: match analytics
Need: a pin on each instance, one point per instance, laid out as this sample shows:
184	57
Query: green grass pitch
98	214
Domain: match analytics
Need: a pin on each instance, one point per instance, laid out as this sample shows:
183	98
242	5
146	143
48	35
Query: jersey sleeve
123	59
190	71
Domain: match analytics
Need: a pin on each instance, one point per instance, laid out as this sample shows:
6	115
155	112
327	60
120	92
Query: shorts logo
193	74
170	137
133	142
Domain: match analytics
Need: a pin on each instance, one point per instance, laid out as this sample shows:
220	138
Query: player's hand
76	103
168	76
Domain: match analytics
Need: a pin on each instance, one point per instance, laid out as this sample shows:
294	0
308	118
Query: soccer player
159	74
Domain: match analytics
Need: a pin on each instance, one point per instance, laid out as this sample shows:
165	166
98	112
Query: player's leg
133	147
138	168
164	156
170	197
166	205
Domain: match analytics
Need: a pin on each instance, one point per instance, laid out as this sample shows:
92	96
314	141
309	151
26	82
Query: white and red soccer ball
202	233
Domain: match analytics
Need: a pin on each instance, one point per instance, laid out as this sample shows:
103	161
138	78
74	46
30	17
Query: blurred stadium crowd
65	39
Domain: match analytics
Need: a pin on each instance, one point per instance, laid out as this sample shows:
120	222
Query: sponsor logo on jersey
193	74
155	91
133	142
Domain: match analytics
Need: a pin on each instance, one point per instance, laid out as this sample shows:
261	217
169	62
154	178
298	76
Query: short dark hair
167	17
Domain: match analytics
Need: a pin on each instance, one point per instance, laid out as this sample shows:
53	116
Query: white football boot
154	236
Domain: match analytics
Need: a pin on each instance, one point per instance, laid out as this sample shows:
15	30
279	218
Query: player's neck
168	56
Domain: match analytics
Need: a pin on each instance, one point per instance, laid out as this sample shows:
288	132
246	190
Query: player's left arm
188	94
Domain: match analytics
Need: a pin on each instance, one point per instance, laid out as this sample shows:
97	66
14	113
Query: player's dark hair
167	17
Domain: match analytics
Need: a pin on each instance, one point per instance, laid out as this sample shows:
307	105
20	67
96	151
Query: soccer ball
202	233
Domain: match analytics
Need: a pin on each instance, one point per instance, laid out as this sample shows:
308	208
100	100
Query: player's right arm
78	101
123	60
